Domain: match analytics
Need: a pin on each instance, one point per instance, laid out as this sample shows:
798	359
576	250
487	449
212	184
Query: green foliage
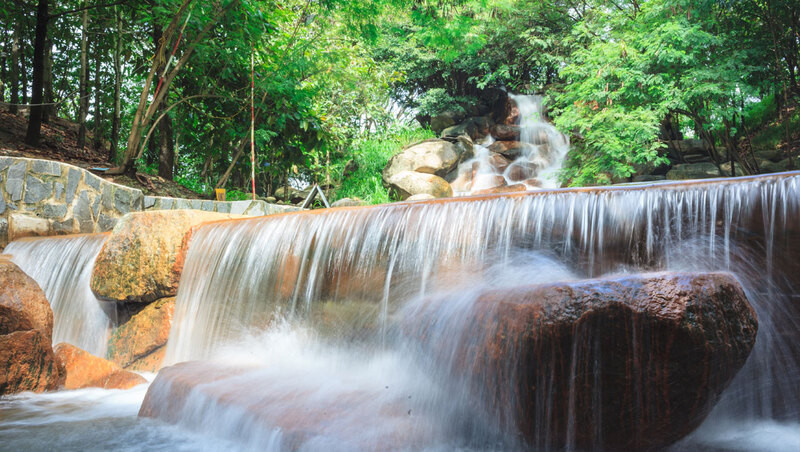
237	195
372	154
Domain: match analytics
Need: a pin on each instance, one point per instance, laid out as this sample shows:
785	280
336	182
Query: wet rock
504	132
474	128
437	157
84	370
509	149
361	418
502	189
410	183
23	305
144	334
420	197
499	162
27	362
628	363
143	258
521	170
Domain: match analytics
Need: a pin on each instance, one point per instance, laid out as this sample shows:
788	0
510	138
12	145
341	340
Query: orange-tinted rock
499	162
23	305
122	379
143	258
27	363
631	363
149	363
143	334
502	189
509	149
85	370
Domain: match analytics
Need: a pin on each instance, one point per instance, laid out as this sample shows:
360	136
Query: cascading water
355	273
310	321
62	266
533	164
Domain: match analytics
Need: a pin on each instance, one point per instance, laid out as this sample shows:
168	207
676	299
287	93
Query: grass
372	154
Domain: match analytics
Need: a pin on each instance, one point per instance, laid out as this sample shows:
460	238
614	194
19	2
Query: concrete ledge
250	208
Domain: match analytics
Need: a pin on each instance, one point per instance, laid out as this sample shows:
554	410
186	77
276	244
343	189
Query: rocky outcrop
409	183
142	260
84	370
627	363
139	343
26	329
437	157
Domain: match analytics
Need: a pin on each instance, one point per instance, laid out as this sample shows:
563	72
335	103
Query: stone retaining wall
43	197
252	208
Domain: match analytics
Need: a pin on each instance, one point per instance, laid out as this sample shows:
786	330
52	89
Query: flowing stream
535	164
301	320
62	266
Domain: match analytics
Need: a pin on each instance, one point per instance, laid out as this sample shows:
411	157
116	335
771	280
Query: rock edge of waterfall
630	362
634	362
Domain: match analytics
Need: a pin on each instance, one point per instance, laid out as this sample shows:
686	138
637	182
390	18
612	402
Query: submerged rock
143	258
137	344
27	362
84	370
631	363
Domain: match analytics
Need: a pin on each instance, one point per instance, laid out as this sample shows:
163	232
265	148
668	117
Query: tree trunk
49	109
15	68
3	71
23	70
84	75
166	154
98	111
144	113
35	117
115	124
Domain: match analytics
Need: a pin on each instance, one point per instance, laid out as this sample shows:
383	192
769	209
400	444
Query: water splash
62	266
534	163
355	274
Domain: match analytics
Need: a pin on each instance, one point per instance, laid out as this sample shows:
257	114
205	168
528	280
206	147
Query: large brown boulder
309	417
84	370
26	328
23	305
143	258
27	363
627	363
437	157
138	343
409	183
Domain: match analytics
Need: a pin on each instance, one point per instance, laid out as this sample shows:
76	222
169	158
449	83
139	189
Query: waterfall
351	273
62	266
541	153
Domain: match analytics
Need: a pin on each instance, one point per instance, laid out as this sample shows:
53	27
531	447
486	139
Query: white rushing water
62	266
305	316
540	156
